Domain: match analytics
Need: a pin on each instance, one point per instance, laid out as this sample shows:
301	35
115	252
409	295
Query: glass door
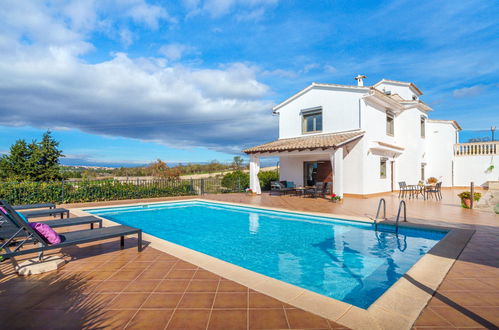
310	173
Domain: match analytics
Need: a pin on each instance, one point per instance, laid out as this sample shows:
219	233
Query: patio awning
311	142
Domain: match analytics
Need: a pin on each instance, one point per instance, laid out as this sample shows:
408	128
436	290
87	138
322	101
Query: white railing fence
476	148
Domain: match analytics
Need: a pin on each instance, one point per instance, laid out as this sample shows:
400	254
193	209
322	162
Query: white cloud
126	37
44	83
330	69
175	52
468	91
247	9
150	15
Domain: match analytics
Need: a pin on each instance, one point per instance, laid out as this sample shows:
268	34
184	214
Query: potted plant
432	180
249	191
466	198
335	198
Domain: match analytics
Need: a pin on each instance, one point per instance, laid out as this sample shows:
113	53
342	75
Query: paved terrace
103	286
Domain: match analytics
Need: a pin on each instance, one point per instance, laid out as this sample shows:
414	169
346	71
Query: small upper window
423	128
390	123
382	168
312	122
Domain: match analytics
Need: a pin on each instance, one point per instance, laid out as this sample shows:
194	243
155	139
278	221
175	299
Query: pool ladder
402	203
382	201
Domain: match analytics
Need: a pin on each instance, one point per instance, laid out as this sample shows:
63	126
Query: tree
159	168
46	157
237	162
37	161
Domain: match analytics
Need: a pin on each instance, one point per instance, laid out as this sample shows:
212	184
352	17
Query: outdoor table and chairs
424	190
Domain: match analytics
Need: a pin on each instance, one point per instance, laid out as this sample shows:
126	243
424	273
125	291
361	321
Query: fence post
238	184
62	192
192	186
472	191
202	187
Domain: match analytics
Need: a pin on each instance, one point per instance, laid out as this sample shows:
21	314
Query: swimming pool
342	259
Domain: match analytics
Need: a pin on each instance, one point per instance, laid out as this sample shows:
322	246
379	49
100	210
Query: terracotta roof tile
319	141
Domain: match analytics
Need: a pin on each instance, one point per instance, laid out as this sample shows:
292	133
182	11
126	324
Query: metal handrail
402	202
381	201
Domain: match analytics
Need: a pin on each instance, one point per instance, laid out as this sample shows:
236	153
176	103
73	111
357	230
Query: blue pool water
345	260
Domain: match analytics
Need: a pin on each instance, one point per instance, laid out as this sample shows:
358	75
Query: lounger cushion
46	232
22	216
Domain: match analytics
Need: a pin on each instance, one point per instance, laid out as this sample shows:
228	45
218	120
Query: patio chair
404	189
317	190
67	239
436	190
34	206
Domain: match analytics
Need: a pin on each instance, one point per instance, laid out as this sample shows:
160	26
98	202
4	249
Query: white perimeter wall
474	168
440	140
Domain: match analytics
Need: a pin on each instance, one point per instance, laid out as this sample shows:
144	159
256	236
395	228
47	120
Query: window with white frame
390	123
312	121
382	167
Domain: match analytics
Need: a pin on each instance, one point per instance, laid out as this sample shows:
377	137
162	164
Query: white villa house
366	139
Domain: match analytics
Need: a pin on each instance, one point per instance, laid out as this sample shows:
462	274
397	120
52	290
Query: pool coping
397	308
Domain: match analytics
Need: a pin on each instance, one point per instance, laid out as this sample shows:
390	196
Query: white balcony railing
476	148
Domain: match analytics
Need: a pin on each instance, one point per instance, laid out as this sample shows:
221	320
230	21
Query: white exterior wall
340	111
408	135
346	109
474	168
440	140
404	91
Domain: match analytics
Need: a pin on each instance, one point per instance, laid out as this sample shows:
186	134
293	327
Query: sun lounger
68	239
46	213
34	206
7	229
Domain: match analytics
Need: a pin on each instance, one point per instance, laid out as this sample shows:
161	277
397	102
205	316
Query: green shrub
236	181
266	177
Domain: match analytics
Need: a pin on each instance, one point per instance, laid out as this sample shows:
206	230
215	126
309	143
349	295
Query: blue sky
132	81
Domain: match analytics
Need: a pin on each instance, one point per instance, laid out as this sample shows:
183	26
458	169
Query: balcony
477	149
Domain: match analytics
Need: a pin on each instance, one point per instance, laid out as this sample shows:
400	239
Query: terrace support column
337	165
254	169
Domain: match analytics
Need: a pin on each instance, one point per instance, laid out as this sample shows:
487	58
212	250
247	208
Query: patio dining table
419	189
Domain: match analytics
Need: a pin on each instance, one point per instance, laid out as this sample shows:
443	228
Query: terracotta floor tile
111	286
230	286
189	319
231	300
184	265
150	319
228	319
258	300
111	319
181	274
455	317
197	300
174	286
128	300
202	274
267	319
153	274
142	286
299	319
162	300
202	286
125	275
429	318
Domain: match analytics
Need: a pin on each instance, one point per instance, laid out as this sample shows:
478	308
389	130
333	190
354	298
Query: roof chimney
360	79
